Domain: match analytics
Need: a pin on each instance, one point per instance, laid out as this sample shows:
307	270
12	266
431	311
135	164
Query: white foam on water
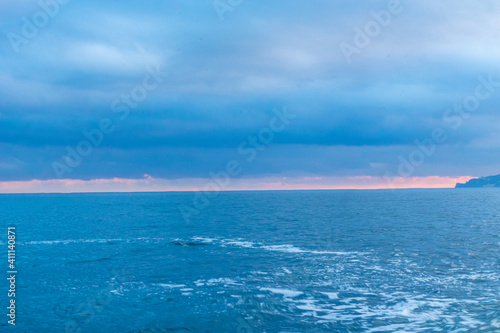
98	240
470	322
396	328
283	248
418	311
205	239
331	295
356	299
397	311
171	286
308	305
71	241
241	244
284	292
286	248
225	281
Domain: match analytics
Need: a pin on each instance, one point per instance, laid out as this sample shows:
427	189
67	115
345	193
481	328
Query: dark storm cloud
226	76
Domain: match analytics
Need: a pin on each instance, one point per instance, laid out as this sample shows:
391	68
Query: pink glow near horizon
149	184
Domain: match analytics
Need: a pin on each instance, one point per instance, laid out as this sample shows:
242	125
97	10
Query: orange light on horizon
149	184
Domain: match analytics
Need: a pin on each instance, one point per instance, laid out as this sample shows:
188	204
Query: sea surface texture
299	261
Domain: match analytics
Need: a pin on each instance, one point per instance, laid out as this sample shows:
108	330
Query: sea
425	260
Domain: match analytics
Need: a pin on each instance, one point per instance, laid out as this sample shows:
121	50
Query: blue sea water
297	261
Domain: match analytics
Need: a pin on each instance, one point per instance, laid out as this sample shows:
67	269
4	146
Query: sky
177	95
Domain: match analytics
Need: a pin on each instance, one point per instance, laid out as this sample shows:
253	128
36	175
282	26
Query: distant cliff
491	181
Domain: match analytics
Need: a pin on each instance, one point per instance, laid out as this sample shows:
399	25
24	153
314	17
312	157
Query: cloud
225	77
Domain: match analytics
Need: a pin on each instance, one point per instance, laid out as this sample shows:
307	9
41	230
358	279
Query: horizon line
241	190
148	184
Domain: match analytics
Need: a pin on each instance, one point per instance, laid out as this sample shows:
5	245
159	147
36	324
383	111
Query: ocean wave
196	241
285	248
284	292
98	240
170	286
288	248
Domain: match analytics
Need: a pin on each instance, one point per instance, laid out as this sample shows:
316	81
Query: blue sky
221	79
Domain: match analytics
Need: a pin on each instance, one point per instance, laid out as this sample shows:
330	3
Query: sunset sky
158	96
